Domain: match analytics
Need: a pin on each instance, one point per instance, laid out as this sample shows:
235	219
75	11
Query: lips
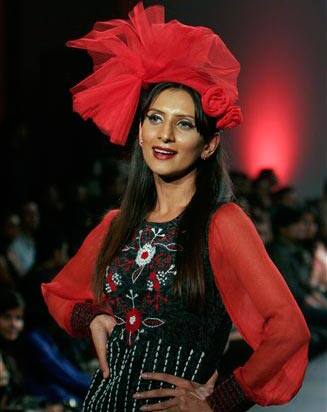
162	153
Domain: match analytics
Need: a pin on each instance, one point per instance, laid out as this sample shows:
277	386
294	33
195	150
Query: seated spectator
10	228
314	244
262	187
55	377
22	251
241	183
11	326
290	258
286	196
263	225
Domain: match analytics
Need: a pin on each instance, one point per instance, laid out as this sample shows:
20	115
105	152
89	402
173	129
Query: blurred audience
22	250
11	325
36	243
10	227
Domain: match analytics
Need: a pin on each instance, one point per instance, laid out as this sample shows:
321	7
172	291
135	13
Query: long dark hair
213	186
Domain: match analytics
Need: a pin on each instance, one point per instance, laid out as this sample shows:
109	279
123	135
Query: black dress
155	331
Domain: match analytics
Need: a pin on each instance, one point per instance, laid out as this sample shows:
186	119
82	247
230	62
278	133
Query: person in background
10	229
263	225
11	326
22	251
56	377
262	187
292	260
286	196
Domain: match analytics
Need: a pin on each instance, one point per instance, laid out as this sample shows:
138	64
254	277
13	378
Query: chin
172	175
172	171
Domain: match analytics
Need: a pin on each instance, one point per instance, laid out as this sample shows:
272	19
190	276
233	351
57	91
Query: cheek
191	148
19	325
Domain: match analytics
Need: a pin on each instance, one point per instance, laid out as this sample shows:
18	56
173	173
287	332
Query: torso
155	330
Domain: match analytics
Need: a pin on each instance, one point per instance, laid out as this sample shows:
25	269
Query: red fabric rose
215	101
133	320
232	118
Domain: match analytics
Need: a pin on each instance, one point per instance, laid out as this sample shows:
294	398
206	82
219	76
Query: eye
186	124
154	118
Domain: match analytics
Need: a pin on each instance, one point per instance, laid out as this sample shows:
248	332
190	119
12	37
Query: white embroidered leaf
153	322
120	321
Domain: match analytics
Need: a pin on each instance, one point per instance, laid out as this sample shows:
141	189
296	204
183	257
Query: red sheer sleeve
261	306
72	285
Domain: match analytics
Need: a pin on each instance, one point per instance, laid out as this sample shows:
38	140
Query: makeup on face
171	141
162	153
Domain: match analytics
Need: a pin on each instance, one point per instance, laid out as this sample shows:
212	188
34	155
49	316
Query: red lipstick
163	153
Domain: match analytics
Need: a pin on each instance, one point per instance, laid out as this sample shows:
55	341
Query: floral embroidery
112	280
145	254
133	320
136	300
160	279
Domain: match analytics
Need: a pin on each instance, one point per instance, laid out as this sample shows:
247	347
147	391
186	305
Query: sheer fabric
73	283
261	306
129	55
253	290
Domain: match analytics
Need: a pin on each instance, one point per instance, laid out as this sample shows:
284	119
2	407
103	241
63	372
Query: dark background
281	45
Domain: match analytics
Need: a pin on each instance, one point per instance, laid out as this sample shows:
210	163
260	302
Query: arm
262	308
69	296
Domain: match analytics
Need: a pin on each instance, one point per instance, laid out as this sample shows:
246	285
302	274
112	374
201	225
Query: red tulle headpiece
129	55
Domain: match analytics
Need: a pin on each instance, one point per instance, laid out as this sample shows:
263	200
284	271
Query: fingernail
144	375
136	395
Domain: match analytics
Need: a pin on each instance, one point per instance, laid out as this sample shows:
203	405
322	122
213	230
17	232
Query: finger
158	393
212	379
100	343
162	406
165	377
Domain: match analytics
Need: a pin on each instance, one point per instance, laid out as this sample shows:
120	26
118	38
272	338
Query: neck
173	195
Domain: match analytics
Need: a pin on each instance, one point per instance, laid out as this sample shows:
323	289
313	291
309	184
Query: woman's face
170	142
11	323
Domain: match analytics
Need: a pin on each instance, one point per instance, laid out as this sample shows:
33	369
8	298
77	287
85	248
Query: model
159	282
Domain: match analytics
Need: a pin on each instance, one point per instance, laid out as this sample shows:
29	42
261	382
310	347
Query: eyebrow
177	115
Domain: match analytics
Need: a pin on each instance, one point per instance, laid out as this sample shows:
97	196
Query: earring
141	141
203	157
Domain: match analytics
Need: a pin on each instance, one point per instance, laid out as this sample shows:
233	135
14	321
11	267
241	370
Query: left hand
186	396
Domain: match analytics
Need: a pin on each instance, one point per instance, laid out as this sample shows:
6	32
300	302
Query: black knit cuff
228	396
82	315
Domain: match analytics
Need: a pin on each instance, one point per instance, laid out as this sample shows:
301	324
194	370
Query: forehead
18	311
174	100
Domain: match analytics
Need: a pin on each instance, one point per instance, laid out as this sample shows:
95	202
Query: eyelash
154	117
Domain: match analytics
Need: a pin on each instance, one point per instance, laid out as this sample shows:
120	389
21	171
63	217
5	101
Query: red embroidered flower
215	101
133	320
154	280
111	283
232	118
145	254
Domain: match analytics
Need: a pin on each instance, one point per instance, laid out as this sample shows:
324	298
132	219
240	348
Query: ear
210	147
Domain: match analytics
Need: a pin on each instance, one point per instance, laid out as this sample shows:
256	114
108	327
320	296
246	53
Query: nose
166	133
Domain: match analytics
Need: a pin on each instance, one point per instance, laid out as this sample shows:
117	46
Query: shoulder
231	224
230	215
110	215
